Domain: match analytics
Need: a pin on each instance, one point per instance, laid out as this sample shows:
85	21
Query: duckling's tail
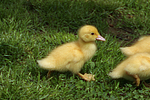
118	72
45	64
115	74
128	51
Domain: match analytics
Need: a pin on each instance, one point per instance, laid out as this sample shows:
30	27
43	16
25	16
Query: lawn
30	29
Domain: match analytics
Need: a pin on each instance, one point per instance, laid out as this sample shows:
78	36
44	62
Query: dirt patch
123	34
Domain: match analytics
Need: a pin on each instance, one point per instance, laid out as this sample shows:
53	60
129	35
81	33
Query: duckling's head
89	33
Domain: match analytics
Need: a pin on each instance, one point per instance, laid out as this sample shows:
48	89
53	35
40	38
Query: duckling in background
72	56
142	45
134	68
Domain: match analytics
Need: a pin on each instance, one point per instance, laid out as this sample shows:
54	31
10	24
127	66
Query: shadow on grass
54	75
11	54
125	83
64	15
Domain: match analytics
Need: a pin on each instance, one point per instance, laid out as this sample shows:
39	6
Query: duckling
142	45
134	68
72	56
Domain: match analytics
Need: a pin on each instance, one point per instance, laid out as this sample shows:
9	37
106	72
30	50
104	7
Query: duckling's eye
92	33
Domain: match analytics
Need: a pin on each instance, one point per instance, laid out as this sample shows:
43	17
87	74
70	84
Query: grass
31	29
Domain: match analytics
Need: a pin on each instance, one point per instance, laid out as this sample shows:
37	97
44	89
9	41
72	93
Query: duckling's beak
100	38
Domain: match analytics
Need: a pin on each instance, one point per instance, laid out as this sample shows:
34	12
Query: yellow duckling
142	45
72	56
134	68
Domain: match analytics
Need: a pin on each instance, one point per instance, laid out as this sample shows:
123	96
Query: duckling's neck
88	48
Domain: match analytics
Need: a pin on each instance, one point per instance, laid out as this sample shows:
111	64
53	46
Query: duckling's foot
137	79
48	74
146	84
87	77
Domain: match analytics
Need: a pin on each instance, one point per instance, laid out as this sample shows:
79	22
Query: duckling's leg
137	79
87	77
146	84
48	74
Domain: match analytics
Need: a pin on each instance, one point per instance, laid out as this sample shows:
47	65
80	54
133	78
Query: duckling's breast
89	50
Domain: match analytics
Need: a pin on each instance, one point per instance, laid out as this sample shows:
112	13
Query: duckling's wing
67	54
140	65
143	37
72	60
62	58
145	64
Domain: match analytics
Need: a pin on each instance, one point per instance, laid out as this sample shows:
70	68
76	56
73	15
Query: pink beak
100	38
